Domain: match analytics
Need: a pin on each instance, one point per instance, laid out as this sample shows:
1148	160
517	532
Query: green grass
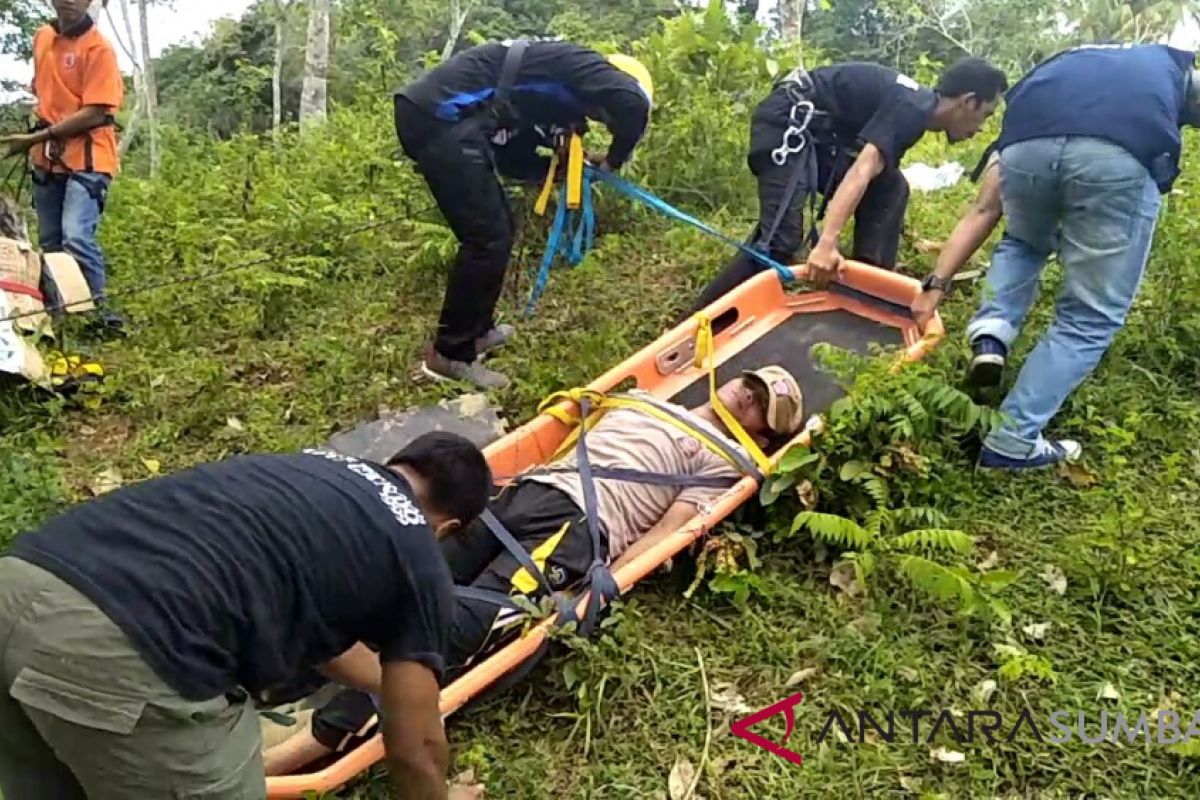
252	363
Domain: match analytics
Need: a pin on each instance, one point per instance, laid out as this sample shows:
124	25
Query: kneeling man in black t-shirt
135	628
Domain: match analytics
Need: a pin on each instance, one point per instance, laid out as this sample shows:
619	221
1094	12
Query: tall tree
313	101
282	13
459	9
149	93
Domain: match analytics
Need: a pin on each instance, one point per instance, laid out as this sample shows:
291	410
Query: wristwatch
932	281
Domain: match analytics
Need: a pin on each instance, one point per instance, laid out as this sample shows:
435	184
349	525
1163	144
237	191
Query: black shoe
987	367
107	324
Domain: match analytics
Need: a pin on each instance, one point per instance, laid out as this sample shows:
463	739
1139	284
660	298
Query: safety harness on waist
799	146
593	405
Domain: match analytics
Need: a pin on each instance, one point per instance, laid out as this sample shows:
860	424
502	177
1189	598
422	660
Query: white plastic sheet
924	178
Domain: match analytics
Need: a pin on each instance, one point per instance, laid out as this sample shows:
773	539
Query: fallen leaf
235	423
947	756
966	275
727	698
910	784
1108	692
1055	579
1036	630
983	691
157	381
1079	476
801	676
466	777
928	246
993	558
909	674
152	465
842	577
86	431
106	481
807	494
681	778
723	765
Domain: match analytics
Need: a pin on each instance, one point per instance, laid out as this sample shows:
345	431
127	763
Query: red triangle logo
741	728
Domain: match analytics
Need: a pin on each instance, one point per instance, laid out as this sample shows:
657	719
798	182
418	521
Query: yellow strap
525	583
706	351
605	403
543	200
575	172
652	410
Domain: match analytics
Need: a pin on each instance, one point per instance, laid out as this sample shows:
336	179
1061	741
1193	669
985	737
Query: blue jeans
1097	206
68	211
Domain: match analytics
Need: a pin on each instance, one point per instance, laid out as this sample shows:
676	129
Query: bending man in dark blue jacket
486	111
1090	142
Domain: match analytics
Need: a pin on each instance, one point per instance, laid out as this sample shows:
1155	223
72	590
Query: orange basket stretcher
756	324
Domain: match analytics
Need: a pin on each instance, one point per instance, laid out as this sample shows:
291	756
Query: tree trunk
313	103
458	17
149	88
277	72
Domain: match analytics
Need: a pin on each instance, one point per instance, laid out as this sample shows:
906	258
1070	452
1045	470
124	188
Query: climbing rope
574	228
272	257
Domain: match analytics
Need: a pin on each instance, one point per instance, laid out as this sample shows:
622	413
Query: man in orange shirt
74	145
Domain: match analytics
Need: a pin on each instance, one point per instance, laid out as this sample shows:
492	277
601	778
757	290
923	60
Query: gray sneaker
494	338
440	368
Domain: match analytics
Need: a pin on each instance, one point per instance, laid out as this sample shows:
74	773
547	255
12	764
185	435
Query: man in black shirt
840	132
136	628
486	111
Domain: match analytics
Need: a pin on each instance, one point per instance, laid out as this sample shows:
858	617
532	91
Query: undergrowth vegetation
880	572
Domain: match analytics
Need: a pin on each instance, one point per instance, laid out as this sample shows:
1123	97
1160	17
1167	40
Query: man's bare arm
975	226
413	736
678	515
357	668
969	234
824	260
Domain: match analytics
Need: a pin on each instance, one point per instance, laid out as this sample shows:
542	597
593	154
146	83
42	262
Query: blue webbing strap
663	207
599	579
572	236
487	596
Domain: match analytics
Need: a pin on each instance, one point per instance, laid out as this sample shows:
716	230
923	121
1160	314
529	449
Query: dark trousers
550	527
878	220
459	166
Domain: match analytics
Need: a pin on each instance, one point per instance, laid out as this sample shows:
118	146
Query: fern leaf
936	580
833	529
925	516
935	539
878	521
876	489
911	405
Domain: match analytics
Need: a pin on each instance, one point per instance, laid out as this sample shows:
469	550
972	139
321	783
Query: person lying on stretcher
544	510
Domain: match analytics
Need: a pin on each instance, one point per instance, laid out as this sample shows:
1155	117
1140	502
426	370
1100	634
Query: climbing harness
796	137
797	144
592	406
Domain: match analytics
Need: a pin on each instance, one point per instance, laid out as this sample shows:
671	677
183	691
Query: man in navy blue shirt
1090	142
137	629
484	112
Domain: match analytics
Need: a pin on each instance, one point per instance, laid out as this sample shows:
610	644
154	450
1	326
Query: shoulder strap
511	67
